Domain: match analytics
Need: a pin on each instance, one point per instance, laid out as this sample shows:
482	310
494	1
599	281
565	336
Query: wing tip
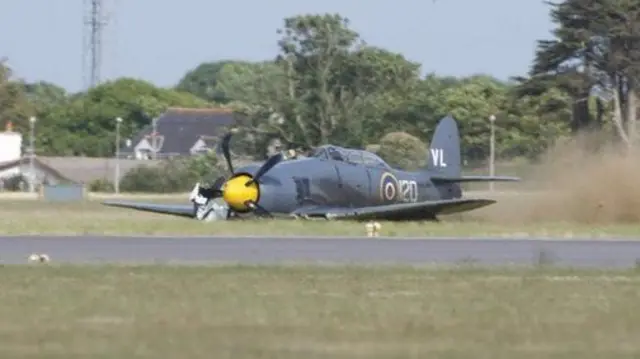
162	208
484	201
476	179
116	203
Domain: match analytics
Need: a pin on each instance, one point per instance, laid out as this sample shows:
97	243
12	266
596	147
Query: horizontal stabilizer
474	179
181	210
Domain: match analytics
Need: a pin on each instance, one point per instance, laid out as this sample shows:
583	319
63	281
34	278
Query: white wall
10	146
142	151
198	147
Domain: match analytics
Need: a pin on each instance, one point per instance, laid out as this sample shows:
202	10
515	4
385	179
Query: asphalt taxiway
320	250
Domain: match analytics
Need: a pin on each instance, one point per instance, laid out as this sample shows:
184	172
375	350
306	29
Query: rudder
443	158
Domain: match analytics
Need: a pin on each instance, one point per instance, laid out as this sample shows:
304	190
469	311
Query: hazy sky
159	40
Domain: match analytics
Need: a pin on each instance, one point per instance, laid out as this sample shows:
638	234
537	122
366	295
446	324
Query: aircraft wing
399	211
182	210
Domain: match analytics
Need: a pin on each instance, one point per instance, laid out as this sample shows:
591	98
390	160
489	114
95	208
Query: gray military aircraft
337	182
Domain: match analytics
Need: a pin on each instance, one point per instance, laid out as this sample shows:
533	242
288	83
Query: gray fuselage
327	182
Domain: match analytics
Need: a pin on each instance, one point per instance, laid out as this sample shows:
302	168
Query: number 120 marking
409	190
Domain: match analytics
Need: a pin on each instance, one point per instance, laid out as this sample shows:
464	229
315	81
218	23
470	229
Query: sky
160	40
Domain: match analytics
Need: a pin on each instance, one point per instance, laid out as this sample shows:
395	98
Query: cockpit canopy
355	156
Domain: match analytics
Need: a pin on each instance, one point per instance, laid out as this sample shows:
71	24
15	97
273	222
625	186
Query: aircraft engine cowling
242	191
239	191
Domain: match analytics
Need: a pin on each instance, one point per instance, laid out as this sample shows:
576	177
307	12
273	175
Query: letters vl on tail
437	157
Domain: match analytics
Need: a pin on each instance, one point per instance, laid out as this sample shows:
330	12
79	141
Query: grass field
90	217
306	312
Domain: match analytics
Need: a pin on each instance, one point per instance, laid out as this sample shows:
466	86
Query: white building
10	151
10	146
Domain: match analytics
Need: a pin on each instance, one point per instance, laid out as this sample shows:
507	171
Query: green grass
308	312
90	217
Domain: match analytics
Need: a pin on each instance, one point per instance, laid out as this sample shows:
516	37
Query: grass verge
90	217
310	312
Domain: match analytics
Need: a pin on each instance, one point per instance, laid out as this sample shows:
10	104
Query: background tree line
327	85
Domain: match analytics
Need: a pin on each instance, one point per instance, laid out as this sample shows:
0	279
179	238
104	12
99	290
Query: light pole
492	150
154	144
116	179
32	153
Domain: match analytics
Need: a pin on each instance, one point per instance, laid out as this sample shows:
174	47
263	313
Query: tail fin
444	150
444	160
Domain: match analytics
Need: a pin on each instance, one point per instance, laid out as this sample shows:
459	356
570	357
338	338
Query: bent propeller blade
217	185
272	161
259	210
225	150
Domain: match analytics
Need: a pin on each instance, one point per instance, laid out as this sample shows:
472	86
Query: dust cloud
583	180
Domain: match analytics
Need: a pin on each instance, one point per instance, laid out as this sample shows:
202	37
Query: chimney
9	126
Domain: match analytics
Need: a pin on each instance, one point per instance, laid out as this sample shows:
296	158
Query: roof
180	128
82	169
25	161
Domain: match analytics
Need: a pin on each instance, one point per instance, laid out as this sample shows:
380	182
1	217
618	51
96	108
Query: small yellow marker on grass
40	258
372	229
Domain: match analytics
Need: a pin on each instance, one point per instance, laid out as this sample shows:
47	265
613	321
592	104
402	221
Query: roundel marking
388	187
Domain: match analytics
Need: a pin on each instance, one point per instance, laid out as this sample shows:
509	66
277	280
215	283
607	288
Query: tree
596	47
541	121
341	80
403	151
45	98
258	92
471	102
44	95
203	81
380	83
172	175
327	85
85	125
324	86
313	48
14	105
418	111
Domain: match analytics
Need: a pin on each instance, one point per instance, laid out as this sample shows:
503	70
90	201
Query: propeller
225	150
260	211
217	186
272	161
215	190
269	164
240	199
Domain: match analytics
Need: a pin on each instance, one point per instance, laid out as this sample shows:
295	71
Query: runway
314	250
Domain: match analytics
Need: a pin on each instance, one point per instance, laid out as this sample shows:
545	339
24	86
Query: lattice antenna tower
94	22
